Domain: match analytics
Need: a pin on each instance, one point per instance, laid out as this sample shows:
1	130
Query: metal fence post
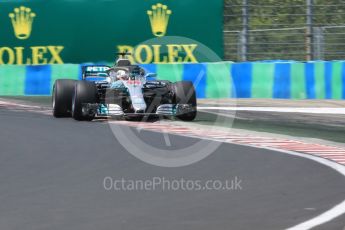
309	31
244	33
318	43
242	47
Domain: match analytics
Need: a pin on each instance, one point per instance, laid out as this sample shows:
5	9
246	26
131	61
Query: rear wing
97	72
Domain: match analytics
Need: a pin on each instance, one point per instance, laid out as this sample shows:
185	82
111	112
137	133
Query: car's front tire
84	92
184	93
62	97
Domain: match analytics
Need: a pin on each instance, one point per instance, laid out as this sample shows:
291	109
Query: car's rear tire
184	93
84	92
62	97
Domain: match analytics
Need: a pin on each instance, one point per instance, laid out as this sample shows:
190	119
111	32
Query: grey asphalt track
52	172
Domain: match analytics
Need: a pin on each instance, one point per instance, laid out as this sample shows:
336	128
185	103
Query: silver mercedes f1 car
124	90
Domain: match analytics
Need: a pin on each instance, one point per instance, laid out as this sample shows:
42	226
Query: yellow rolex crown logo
22	19
159	19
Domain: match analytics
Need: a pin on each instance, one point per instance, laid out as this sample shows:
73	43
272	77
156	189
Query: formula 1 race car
124	90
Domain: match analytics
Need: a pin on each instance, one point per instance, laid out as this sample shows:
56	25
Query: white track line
278	109
19	105
329	215
325	217
331	154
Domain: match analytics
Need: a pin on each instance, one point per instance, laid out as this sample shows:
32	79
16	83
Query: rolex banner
153	31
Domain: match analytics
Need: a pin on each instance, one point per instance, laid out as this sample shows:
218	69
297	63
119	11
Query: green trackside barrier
298	84
64	72
263	75
12	80
286	80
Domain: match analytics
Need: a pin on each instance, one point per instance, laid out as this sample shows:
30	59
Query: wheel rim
54	89
73	104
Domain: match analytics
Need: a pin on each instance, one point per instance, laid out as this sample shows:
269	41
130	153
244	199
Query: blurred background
299	30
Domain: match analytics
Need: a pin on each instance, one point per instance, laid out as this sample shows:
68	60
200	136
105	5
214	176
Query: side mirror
151	75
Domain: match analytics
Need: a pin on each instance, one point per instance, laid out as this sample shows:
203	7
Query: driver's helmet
142	72
122	75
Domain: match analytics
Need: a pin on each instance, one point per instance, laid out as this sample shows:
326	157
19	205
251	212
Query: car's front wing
116	110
